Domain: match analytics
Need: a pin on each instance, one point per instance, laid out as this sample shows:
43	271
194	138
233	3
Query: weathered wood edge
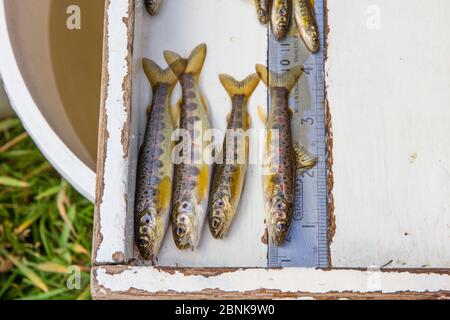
100	292
117	266
102	139
103	136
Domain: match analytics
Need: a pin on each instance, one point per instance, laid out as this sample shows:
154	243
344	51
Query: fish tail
196	60
244	87
156	75
192	65
176	63
286	80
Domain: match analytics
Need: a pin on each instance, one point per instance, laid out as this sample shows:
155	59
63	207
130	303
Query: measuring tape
307	242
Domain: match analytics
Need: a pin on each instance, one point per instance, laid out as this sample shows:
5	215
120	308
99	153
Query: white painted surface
388	77
53	148
236	42
113	205
288	280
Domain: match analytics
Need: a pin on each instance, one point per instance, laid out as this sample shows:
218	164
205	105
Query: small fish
285	158
192	179
153	6
307	24
281	18
263	8
228	180
155	168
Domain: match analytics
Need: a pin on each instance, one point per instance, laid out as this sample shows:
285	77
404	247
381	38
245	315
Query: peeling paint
313	281
115	114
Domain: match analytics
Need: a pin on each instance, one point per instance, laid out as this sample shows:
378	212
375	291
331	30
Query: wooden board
121	282
125	95
388	90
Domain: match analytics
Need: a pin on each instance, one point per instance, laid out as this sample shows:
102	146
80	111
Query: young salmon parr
193	174
307	23
285	158
155	168
281	17
263	8
229	175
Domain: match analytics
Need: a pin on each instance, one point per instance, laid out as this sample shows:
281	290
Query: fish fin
265	236
291	112
204	104
176	63
156	75
228	117
196	60
285	80
234	185
164	192
262	114
244	87
303	158
248	121
175	114
203	182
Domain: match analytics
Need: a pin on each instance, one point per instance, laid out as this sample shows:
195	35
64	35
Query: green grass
45	225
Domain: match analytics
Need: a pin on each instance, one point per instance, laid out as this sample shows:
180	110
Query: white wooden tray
364	232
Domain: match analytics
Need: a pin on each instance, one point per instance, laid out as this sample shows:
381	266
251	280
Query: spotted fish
263	8
153	6
281	18
193	174
285	158
229	175
307	23
155	168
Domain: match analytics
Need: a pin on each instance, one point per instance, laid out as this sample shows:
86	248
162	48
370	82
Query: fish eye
280	206
215	222
180	230
281	226
143	243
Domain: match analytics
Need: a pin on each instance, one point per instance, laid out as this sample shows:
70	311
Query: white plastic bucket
51	76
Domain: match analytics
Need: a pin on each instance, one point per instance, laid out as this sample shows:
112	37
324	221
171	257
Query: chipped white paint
389	91
378	244
313	281
112	213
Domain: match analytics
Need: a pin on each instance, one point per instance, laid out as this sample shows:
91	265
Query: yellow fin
203	182
248	121
164	192
192	65
175	62
235	189
286	79
244	87
303	158
291	112
262	114
269	185
156	75
205	105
